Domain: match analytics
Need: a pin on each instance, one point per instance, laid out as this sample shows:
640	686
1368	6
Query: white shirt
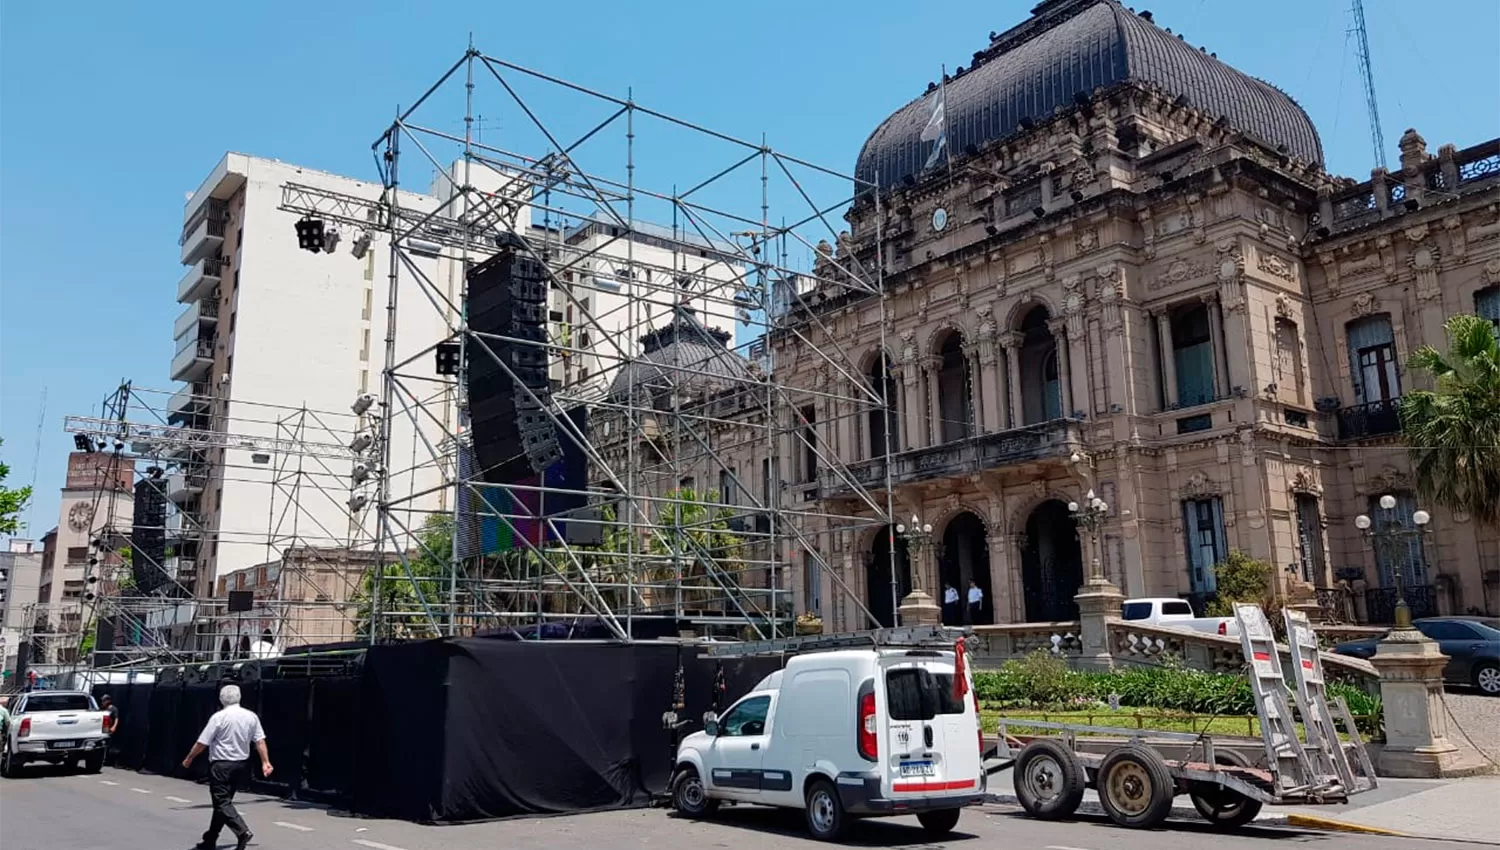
975	595
230	732
950	595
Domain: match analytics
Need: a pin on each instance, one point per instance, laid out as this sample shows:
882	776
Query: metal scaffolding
682	230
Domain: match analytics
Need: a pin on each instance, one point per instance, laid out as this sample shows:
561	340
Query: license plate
916	768
62	745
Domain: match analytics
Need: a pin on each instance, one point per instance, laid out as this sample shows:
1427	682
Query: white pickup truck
58	727
1176	614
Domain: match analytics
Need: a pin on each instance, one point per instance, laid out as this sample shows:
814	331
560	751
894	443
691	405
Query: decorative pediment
1365	304
1198	484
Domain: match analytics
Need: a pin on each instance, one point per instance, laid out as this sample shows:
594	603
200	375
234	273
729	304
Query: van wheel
1049	780
940	822
1222	807
825	812
690	797
1135	787
93	762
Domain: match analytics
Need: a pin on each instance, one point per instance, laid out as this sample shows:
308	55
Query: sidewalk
1456	809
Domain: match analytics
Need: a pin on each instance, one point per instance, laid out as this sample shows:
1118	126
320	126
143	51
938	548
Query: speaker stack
513	436
148	535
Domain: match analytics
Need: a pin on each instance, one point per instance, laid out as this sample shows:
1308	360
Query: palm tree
1454	430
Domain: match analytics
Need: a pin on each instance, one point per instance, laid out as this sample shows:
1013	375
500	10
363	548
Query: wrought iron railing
1380	602
1056	438
1370	420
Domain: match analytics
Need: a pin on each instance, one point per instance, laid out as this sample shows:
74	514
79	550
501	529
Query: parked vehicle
58	727
1472	645
1176	614
843	734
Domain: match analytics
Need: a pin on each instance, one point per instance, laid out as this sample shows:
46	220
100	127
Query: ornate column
913	402
932	366
1168	371
1011	342
1059	328
977	421
988	376
847	450
1216	339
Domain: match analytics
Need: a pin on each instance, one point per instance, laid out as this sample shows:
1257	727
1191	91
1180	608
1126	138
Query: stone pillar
1411	695
934	402
1168	371
1012	344
977	422
1059	328
919	608
989	380
915	405
846	445
1216	339
1002	554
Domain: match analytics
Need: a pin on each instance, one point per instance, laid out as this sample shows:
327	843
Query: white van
843	734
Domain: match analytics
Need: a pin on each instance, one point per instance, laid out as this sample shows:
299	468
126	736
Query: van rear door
934	737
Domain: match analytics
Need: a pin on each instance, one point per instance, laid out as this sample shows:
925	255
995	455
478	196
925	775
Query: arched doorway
878	576
1051	564
225	649
955	405
1041	384
966	556
244	650
883	418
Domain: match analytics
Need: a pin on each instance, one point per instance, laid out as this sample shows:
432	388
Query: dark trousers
224	778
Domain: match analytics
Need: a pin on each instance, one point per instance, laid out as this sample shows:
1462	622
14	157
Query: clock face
939	219
80	515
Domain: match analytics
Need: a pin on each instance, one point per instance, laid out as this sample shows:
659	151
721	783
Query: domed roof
1070	47
683	344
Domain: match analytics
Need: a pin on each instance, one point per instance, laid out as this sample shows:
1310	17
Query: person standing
227	738
950	604
111	724
976	602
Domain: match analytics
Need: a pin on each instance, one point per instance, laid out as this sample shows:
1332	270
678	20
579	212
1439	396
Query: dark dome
685	343
1073	46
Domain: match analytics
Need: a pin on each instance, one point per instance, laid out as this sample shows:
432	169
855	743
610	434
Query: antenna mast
1377	138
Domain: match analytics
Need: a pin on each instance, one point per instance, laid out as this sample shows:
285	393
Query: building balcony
203	232
1055	439
182	486
189	401
198	315
195	355
1376	419
200	280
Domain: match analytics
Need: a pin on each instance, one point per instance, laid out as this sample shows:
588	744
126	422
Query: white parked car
1175	613
843	734
58	727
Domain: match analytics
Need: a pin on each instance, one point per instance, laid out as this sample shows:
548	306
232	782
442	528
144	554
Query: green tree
694	538
1453	430
402	593
1241	578
12	501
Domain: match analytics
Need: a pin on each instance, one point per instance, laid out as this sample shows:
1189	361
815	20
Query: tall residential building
20	570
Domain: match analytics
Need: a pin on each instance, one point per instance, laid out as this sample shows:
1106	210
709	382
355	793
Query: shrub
1241	578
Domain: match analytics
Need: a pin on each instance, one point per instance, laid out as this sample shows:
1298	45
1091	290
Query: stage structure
622	458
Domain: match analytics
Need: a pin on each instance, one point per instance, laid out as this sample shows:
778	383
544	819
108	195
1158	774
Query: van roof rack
932	637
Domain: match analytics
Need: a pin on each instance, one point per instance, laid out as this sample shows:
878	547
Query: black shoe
206	844
244	841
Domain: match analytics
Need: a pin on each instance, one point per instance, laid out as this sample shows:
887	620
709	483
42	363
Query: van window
916	693
1175	608
1136	611
747	718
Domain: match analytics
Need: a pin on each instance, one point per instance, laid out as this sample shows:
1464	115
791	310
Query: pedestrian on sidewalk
227	738
111	725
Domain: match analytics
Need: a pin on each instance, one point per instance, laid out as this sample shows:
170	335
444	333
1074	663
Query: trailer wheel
1049	780
1220	806
1135	787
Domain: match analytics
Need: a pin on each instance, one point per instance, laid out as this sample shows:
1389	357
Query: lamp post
1387	534
1090	517
918	608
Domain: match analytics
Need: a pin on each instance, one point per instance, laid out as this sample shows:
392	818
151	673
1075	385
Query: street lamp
1090	517
1389	536
917	535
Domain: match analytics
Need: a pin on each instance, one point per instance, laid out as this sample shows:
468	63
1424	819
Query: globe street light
1390	537
1090	517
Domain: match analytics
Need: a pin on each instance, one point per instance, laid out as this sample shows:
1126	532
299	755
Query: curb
1331	825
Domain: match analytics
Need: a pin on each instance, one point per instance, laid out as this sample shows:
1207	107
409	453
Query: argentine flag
936	131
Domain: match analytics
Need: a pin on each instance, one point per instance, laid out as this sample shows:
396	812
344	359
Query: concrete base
1426	763
919	609
1416	722
1098	603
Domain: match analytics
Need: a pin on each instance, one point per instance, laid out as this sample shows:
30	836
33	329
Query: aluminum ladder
1319	712
1285	754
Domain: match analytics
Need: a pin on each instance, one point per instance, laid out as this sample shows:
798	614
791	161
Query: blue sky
109	114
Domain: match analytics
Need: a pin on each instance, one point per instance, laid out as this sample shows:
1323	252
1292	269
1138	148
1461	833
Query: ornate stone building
1128	271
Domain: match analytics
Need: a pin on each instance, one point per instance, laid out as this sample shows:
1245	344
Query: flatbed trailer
1137	783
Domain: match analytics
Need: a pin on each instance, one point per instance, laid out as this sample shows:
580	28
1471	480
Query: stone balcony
1055	439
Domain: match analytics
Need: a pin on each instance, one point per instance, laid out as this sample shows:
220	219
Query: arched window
1041	378
955	405
883	418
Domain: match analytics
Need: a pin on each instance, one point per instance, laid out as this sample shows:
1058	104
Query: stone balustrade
1134	643
996	645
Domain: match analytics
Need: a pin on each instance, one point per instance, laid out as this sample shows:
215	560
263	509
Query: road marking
297	826
107	782
179	800
375	844
1064	847
140	790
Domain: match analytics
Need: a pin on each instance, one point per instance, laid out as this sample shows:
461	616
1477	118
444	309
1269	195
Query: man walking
228	737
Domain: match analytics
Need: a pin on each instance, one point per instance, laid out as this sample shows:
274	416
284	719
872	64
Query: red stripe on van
902	787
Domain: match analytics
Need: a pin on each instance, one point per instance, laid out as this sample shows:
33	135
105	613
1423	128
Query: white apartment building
20	572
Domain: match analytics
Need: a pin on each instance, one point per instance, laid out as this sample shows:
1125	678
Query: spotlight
83	443
1412	204
992	230
363	471
362	403
361	244
260	458
361	442
447	358
331	239
1077	196
310	234
358	501
1038	212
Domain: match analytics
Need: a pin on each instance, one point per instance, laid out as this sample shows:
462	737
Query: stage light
361	472
1038	211
362	403
361	442
331	239
991	229
358	501
310	234
361	244
83	443
260	457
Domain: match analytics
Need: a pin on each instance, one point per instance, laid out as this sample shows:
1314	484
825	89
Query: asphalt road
49	809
